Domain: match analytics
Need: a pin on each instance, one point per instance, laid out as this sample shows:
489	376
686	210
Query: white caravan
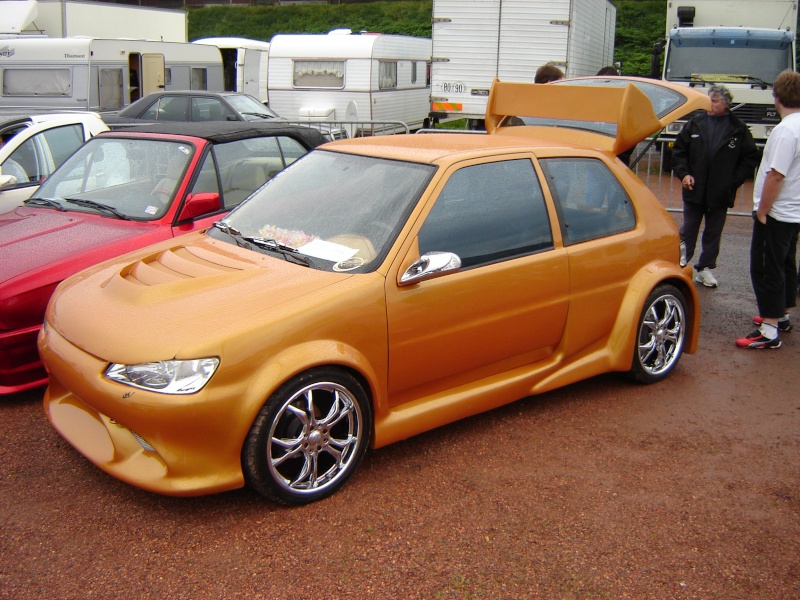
46	74
244	64
345	76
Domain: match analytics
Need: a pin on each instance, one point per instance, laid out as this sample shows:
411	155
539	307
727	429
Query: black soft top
218	132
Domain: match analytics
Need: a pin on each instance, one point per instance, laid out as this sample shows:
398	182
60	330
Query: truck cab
742	45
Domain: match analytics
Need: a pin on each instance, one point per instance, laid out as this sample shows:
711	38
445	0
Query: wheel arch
293	361
622	339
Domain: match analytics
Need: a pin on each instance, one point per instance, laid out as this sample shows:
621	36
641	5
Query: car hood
174	300
31	238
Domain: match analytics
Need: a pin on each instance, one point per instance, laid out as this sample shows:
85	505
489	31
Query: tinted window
246	165
210	109
170	108
590	201
63	141
488	213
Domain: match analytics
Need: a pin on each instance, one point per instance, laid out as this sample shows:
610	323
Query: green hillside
640	23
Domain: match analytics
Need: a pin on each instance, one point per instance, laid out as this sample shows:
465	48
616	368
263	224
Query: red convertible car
121	191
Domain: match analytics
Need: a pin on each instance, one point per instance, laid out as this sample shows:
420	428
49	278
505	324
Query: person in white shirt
776	220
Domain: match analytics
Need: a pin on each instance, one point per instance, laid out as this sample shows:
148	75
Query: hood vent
181	263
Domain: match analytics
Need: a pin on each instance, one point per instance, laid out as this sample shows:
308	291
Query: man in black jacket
713	155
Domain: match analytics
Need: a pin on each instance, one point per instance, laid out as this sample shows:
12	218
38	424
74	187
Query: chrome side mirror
429	266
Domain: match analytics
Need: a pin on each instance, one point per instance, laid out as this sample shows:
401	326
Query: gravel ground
685	490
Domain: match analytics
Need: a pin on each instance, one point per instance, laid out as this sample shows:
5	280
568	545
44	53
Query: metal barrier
337	130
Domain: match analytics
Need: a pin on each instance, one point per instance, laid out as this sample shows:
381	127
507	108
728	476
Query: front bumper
174	445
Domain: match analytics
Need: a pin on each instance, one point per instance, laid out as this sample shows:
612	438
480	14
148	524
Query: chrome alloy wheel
661	334
314	437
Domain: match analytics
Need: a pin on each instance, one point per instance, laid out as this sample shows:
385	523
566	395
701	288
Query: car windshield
341	211
132	178
250	108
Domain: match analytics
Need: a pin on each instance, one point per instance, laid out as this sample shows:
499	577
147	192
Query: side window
209	109
110	89
589	199
487	213
207	177
292	149
318	73
173	108
387	75
245	166
199	79
24	164
62	141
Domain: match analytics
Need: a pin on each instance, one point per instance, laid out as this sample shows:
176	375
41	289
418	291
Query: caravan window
318	74
413	72
387	76
199	79
37	82
110	89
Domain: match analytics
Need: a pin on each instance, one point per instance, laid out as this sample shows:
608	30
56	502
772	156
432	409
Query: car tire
660	335
308	438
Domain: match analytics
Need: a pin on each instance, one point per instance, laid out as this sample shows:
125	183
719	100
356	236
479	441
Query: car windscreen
250	108
132	178
341	211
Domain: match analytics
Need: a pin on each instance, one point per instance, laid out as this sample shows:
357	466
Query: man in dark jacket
713	155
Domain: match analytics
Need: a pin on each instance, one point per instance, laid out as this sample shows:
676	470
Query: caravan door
152	73
251	73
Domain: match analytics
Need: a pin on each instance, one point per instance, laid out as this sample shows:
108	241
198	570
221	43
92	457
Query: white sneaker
706	277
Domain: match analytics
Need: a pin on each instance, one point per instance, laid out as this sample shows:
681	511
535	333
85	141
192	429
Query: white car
33	146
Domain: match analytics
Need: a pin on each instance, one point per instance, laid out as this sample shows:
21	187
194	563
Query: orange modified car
375	289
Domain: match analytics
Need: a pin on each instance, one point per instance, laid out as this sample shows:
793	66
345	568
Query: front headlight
166	376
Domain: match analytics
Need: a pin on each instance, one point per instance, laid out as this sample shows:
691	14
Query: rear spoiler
628	108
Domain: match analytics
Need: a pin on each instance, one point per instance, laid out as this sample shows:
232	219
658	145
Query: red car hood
32	238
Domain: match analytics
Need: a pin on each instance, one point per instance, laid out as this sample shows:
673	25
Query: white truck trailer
244	64
475	41
741	44
345	76
62	18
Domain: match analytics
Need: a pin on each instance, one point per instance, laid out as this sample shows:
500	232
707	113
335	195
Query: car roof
13	118
434	147
193	93
229	131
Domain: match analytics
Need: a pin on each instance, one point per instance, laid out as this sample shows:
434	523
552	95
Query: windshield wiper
49	202
275	246
691	79
254	242
234	233
257	114
764	84
98	206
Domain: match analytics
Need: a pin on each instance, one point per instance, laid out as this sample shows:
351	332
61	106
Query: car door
504	308
599	233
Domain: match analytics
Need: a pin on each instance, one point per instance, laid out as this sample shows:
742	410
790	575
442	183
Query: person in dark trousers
713	155
776	221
